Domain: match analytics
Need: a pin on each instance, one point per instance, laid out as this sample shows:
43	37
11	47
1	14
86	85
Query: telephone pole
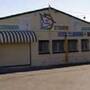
66	47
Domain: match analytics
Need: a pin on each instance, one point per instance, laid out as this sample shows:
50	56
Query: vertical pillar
50	41
79	45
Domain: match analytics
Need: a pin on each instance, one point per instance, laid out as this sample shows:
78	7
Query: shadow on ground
26	68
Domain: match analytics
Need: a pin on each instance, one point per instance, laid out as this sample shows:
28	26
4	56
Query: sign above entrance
47	21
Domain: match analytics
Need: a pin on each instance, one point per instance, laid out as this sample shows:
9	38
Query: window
72	45
84	45
44	47
88	34
58	46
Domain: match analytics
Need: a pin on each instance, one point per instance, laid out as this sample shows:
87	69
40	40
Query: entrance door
14	54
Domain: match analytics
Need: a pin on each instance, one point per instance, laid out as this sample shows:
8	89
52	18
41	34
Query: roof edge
28	12
70	15
19	14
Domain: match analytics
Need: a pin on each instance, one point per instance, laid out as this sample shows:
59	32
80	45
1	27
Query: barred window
84	44
72	45
43	46
58	46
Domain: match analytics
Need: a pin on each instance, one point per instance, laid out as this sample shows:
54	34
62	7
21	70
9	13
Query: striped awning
17	37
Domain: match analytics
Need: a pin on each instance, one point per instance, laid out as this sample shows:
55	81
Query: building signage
47	21
61	27
9	27
70	34
85	29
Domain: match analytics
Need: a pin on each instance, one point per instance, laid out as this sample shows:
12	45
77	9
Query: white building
37	38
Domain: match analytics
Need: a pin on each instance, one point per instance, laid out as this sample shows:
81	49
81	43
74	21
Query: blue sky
78	8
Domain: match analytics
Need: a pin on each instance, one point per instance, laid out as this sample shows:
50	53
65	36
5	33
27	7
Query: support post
66	48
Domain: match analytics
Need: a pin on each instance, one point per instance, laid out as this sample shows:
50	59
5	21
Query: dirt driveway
69	78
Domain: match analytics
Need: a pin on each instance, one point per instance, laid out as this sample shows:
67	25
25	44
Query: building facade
43	37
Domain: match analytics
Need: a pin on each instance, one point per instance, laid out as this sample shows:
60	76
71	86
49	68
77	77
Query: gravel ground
69	78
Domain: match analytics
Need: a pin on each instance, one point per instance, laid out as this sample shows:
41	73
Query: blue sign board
70	34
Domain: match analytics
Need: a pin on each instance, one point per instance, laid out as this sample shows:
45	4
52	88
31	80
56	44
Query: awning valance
17	37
